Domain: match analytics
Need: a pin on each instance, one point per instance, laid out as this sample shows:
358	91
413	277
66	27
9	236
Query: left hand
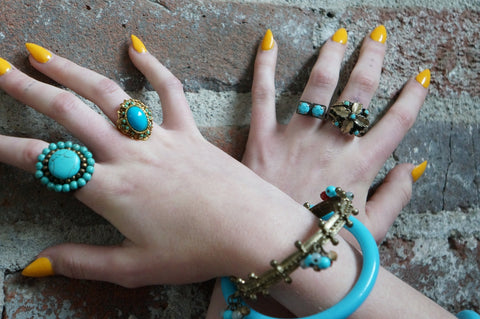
306	155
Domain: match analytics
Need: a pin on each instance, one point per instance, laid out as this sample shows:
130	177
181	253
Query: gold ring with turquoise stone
135	120
64	166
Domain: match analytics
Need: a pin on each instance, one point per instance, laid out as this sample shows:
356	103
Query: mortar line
448	165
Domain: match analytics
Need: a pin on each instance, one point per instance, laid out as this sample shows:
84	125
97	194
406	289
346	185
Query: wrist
345	276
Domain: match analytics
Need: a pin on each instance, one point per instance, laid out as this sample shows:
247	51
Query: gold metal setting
126	125
350	117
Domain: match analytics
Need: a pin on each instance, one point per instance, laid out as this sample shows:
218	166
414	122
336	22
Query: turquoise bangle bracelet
468	314
356	296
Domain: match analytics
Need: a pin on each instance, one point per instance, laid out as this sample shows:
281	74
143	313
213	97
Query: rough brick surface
210	45
66	298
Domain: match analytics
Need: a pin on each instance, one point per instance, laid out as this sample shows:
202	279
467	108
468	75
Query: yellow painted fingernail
424	78
379	34
268	42
4	66
418	171
41	267
39	53
138	44
340	36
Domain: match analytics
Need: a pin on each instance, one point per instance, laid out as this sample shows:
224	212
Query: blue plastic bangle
468	314
358	294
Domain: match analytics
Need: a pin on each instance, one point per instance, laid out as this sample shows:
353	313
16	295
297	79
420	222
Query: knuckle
323	79
171	83
106	86
405	194
73	269
365	82
64	103
404	119
262	92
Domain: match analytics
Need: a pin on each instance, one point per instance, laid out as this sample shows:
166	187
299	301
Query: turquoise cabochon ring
64	166
135	120
316	110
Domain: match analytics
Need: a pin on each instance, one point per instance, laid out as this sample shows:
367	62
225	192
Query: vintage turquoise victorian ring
64	166
135	120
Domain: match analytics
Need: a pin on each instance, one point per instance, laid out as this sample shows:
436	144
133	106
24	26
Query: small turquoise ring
135	120
64	166
318	111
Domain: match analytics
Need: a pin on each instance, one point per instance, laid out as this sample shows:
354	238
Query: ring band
350	117
135	120
64	166
318	111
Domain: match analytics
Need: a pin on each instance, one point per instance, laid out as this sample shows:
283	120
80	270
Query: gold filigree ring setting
135	120
350	117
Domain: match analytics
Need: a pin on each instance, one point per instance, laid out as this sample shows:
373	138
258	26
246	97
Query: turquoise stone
64	164
137	119
317	111
303	108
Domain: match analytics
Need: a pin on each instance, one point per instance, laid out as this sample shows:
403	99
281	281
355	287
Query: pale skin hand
185	207
306	155
313	154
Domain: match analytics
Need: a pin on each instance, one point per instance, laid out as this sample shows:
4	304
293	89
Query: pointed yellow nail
4	66
424	78
340	36
268	42
379	34
39	53
138	44
41	267
418	171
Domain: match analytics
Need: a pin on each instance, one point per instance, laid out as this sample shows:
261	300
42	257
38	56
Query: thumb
80	261
391	197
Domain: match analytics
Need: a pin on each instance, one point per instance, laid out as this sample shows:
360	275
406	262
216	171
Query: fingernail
138	44
41	267
4	66
417	172
340	36
379	34
424	78
267	42
39	53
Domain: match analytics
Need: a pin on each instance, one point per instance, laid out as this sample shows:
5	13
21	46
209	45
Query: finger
324	76
389	199
114	264
20	152
62	106
365	76
176	112
384	137
263	87
97	88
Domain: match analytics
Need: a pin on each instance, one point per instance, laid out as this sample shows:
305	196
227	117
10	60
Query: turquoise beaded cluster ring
135	120
64	166
318	111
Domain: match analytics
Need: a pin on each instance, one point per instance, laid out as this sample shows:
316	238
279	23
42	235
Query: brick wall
210	46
